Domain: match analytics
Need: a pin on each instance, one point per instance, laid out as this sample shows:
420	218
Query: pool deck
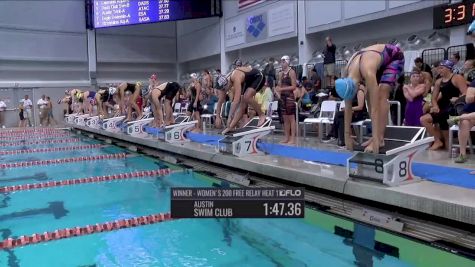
446	201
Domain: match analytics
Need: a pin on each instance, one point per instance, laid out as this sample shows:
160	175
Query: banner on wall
281	20
234	33
248	3
256	27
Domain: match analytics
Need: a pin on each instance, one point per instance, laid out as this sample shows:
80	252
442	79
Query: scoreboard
111	13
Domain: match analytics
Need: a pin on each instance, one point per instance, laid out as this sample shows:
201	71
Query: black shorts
198	108
469	108
257	84
21	116
441	119
170	91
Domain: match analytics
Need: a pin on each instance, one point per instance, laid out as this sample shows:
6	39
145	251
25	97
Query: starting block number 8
379	167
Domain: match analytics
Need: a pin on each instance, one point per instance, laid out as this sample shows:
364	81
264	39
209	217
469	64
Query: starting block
243	141
393	166
135	128
94	122
111	124
70	118
175	133
81	119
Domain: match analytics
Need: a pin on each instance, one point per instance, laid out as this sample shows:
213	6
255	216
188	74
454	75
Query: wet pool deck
446	201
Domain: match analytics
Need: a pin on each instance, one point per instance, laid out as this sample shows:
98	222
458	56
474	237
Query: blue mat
441	174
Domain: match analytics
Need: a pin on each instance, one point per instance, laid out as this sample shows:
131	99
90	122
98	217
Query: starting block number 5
136	129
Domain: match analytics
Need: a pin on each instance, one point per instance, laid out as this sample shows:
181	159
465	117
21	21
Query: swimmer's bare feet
262	119
225	131
437	145
291	143
284	141
366	143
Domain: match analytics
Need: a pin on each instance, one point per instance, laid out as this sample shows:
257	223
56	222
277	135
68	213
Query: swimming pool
318	240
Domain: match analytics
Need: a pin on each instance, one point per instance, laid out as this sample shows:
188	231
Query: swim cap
237	63
153	77
78	95
346	88
447	63
286	58
471	28
194	75
221	82
112	90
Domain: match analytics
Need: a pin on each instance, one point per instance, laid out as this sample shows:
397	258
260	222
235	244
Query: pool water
186	242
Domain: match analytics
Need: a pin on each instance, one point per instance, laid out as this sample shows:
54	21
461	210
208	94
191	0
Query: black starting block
393	165
243	141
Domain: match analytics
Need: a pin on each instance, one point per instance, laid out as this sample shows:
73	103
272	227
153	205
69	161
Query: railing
435	55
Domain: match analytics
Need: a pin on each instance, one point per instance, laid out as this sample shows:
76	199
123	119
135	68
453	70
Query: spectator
27	106
414	93
466	121
265	97
469	70
359	113
49	107
43	113
211	100
21	109
458	65
314	78
3	108
218	74
450	86
329	61
398	95
422	66
269	72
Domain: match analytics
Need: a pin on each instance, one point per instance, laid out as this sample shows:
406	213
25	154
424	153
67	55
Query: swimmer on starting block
194	108
87	100
104	99
135	91
379	66
168	90
246	82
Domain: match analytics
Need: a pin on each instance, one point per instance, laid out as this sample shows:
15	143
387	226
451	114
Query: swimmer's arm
427	82
407	95
460	83
221	99
236	96
418	90
435	93
198	93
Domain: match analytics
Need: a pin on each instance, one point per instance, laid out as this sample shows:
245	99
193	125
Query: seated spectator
423	66
469	70
451	87
466	121
359	113
458	65
414	93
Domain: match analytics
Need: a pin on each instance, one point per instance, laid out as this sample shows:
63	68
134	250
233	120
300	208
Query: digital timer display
237	203
446	16
111	13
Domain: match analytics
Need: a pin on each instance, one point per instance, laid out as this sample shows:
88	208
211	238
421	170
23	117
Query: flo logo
256	25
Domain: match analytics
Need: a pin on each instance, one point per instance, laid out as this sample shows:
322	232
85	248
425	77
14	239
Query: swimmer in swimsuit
194	108
103	98
378	66
87	100
135	91
168	91
246	82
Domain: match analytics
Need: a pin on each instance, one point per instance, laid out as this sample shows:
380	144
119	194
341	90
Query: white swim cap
286	58
194	75
112	90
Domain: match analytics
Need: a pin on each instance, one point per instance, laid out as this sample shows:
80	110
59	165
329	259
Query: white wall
46	38
326	15
198	38
132	53
279	48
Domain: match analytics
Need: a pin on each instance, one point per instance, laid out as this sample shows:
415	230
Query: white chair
455	128
326	117
271	111
208	117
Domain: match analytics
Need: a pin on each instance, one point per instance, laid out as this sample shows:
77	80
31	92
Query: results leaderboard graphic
125	12
237	202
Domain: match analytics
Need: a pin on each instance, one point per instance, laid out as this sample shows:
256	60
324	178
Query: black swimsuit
252	79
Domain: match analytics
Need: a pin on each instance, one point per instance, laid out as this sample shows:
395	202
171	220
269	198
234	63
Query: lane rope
50	149
42	142
25	240
94	179
60	161
35	136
